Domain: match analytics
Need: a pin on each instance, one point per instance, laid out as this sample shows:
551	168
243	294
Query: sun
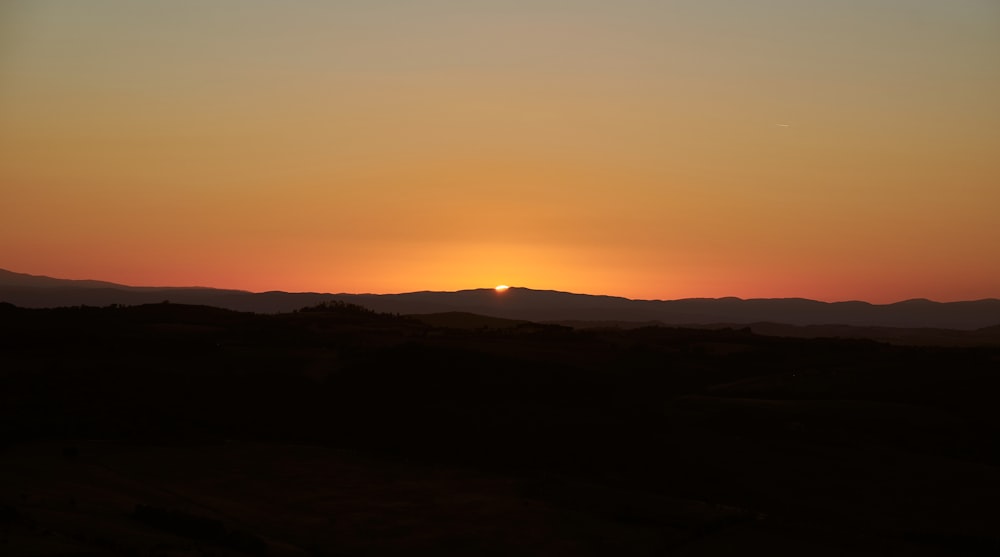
501	288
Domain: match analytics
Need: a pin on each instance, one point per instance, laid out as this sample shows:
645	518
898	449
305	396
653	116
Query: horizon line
491	288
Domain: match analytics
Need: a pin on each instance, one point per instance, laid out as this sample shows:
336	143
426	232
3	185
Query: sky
844	150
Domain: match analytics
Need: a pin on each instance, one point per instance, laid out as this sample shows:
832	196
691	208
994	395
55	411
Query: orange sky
830	150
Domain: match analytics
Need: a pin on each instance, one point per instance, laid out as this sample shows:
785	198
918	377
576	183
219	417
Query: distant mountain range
521	304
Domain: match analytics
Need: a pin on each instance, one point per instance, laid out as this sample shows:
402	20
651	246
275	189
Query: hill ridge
521	303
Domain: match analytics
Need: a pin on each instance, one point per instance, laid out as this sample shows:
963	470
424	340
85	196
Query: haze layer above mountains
519	303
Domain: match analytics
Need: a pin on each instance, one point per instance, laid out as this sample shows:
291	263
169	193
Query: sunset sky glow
833	150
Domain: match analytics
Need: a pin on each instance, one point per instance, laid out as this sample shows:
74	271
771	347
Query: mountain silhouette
520	303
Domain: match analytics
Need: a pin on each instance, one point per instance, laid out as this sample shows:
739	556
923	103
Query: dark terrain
172	429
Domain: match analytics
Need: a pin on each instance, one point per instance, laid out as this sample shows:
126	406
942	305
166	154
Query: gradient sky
835	150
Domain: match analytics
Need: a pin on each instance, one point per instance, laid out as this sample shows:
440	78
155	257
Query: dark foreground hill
188	430
523	304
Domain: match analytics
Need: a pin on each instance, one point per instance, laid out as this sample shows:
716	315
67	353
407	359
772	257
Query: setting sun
501	288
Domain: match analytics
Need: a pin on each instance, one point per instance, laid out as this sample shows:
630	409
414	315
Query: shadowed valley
336	430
